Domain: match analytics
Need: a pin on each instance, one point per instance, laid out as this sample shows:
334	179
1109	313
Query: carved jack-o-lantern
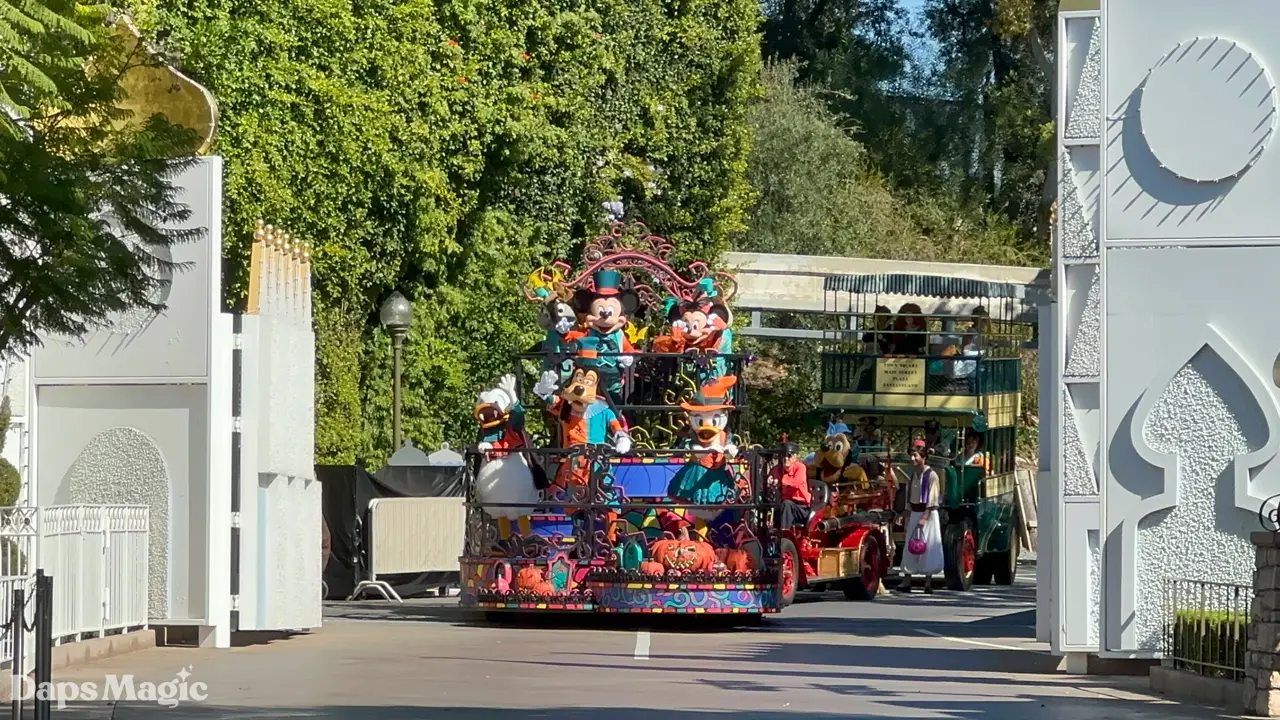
649	567
682	554
529	577
735	561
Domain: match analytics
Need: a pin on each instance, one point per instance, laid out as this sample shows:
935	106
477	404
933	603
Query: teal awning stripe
939	286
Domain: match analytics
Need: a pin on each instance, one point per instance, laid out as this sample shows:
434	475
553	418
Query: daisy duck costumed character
607	309
505	477
705	478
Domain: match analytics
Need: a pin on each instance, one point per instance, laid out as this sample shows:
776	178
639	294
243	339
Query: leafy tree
10	478
860	51
442	149
86	199
817	193
995	71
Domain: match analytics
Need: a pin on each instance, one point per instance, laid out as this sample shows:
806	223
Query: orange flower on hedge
462	79
526	56
454	43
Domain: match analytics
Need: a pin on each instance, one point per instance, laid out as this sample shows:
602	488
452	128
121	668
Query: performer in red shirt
792	475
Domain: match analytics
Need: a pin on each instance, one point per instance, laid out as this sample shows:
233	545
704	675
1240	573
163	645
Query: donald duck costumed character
504	476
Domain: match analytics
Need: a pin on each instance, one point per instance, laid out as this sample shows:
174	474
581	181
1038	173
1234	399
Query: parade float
613	471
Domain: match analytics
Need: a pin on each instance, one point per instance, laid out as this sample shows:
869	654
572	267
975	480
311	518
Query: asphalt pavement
949	655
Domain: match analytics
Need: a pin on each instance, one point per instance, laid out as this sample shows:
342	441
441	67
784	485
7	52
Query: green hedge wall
1208	642
441	148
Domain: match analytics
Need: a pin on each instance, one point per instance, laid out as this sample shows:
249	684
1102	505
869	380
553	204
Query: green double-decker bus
939	359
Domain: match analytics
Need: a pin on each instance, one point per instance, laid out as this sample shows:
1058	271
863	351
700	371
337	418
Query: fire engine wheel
960	547
866	586
790	573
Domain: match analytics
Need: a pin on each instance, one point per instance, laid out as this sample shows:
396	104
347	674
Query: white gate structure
204	417
98	557
1161	372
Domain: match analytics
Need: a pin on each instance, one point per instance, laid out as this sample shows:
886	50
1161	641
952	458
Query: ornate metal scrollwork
1270	519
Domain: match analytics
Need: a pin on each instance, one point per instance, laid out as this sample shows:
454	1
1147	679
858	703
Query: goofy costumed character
504	476
585	418
705	478
702	325
607	309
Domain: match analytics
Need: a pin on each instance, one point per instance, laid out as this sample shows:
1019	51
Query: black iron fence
1206	627
36	686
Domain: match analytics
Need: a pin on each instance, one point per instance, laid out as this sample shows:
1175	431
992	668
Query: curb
92	650
1199	690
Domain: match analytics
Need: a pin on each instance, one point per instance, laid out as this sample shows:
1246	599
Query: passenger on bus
879	339
793	477
934	442
973	453
869	434
909	337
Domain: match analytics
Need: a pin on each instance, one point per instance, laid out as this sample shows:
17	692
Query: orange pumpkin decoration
735	561
649	567
529	577
682	554
543	588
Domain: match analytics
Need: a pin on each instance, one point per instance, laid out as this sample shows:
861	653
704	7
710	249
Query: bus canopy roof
932	286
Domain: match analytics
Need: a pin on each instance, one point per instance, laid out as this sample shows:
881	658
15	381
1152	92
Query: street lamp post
396	316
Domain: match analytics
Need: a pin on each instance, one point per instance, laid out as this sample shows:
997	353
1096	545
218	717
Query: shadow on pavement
1040	708
1019	624
1013	625
548	621
837	662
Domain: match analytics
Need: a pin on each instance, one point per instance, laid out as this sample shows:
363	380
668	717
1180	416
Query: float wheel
790	580
866	586
960	544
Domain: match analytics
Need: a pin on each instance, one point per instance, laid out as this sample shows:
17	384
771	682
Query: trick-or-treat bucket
916	545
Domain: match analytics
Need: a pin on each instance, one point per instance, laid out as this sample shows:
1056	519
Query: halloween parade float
612	471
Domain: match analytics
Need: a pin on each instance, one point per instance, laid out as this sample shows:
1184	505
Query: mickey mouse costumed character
607	309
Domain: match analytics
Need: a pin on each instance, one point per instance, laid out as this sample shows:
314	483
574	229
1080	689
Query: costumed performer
557	318
704	325
504	476
924	492
607	309
705	478
585	418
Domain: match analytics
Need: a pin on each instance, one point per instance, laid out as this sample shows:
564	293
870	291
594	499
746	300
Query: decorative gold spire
279	274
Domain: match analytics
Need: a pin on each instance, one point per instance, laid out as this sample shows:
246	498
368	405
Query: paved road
945	656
